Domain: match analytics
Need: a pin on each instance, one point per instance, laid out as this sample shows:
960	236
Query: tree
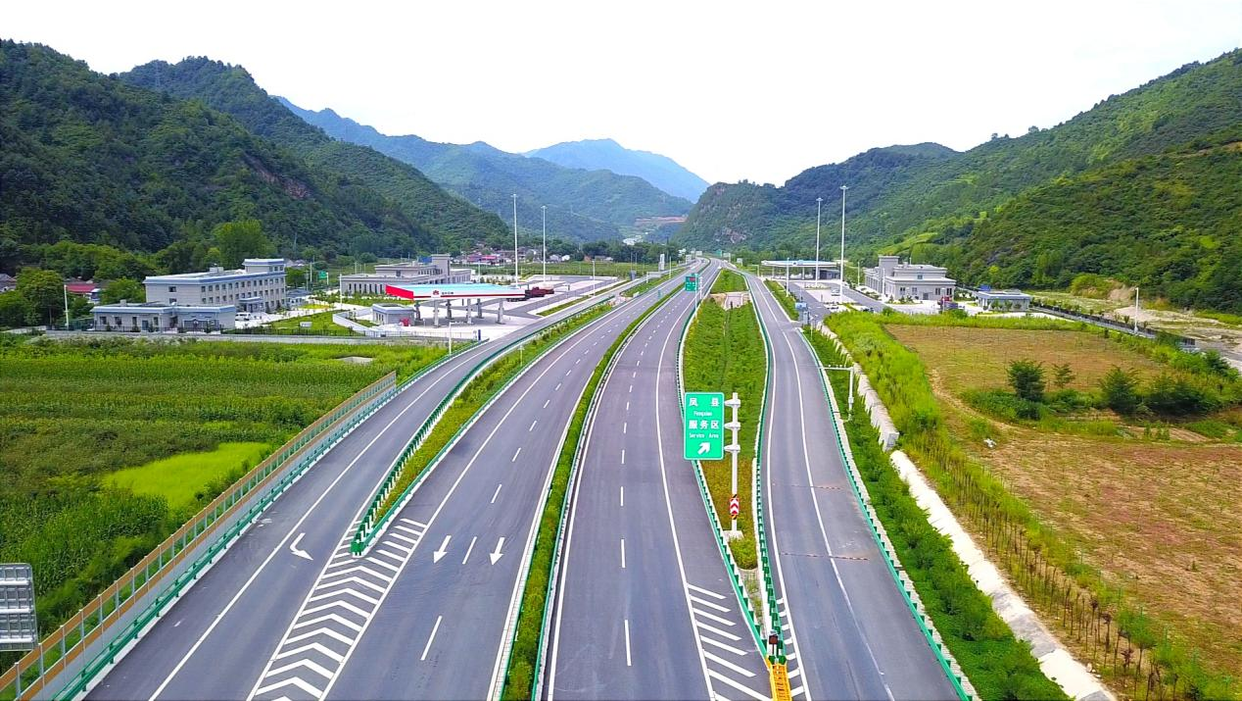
14	310
295	278
44	291
1026	377
1062	375
123	288
1119	389
239	240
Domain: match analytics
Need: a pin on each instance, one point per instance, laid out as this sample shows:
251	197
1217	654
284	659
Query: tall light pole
515	245
819	206
544	209
843	189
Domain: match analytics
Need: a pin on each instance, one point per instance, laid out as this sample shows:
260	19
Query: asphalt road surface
645	607
844	619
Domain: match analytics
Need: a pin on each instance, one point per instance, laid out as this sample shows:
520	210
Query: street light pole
544	209
515	243
819	206
843	189
734	426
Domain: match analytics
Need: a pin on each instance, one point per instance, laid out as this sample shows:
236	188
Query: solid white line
623	553
532	425
497	492
628	661
467	557
280	546
427	647
519	452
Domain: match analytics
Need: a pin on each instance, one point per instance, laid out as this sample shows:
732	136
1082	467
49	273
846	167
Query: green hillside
453	222
582	204
904	191
606	154
92	169
1171	224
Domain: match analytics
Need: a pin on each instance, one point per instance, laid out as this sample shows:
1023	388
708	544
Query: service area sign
704	429
692	282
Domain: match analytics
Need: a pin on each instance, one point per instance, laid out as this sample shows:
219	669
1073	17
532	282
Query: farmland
1146	522
83	424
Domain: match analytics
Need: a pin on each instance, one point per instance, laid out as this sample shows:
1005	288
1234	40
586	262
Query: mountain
453	222
606	154
582	205
915	194
96	170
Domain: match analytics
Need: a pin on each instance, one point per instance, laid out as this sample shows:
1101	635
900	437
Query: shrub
1119	390
1027	379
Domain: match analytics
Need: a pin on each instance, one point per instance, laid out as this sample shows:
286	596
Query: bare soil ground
1159	518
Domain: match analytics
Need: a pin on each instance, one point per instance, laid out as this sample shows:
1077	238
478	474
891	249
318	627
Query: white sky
755	90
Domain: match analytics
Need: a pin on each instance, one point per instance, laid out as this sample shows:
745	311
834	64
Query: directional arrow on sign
495	554
704	447
293	548
435	556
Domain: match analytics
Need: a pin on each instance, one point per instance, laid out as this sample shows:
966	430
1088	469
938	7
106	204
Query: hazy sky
754	90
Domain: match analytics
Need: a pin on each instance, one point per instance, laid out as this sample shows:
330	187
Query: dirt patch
357	359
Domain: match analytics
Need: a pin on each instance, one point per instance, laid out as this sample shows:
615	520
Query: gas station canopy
455	291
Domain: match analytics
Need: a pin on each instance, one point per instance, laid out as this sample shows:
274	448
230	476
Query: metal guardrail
95	621
891	562
536	689
373	524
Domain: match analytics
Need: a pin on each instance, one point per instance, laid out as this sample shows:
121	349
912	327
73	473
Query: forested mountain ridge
87	160
935	191
606	154
582	204
454	223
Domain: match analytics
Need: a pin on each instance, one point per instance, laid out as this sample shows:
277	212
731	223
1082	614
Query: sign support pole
732	449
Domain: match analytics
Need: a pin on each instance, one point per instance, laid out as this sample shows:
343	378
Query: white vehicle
243	316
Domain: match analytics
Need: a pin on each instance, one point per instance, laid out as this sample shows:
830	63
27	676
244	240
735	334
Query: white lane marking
631	389
714	617
628	662
627	405
722	646
532	425
497	492
625	427
280	546
545	404
430	638
709	604
706	592
623	553
435	556
469	549
740	687
496	554
558	386
567	372
623	456
623	495
293	548
637	363
579	360
728	665
519	452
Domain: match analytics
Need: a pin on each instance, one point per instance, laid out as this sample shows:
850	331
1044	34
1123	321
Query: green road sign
692	282
704	428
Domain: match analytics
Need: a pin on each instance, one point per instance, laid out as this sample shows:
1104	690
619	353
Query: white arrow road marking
435	556
704	447
293	548
495	555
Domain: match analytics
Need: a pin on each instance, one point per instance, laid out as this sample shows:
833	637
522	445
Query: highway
235	614
844	619
645	608
428	612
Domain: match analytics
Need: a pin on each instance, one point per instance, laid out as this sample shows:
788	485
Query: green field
107	446
321	324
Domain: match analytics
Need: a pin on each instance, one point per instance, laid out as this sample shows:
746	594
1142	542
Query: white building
895	280
162	316
257	287
1003	300
437	272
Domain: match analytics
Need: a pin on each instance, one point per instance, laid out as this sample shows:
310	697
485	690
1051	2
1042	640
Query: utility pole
732	449
515	243
65	288
1136	309
843	189
819	206
544	209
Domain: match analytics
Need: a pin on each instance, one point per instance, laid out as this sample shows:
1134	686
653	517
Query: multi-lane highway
233	618
645	608
844	619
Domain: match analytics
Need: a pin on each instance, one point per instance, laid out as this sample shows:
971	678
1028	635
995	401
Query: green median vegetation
648	285
724	352
89	431
999	665
520	674
786	300
474	396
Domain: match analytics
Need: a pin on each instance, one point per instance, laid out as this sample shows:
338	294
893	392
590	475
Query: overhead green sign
692	282
704	426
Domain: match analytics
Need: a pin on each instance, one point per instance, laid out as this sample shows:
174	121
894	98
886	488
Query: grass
997	664
519	675
1094	613
602	269
728	281
74	413
643	287
183	480
786	300
1136	509
321	324
724	352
